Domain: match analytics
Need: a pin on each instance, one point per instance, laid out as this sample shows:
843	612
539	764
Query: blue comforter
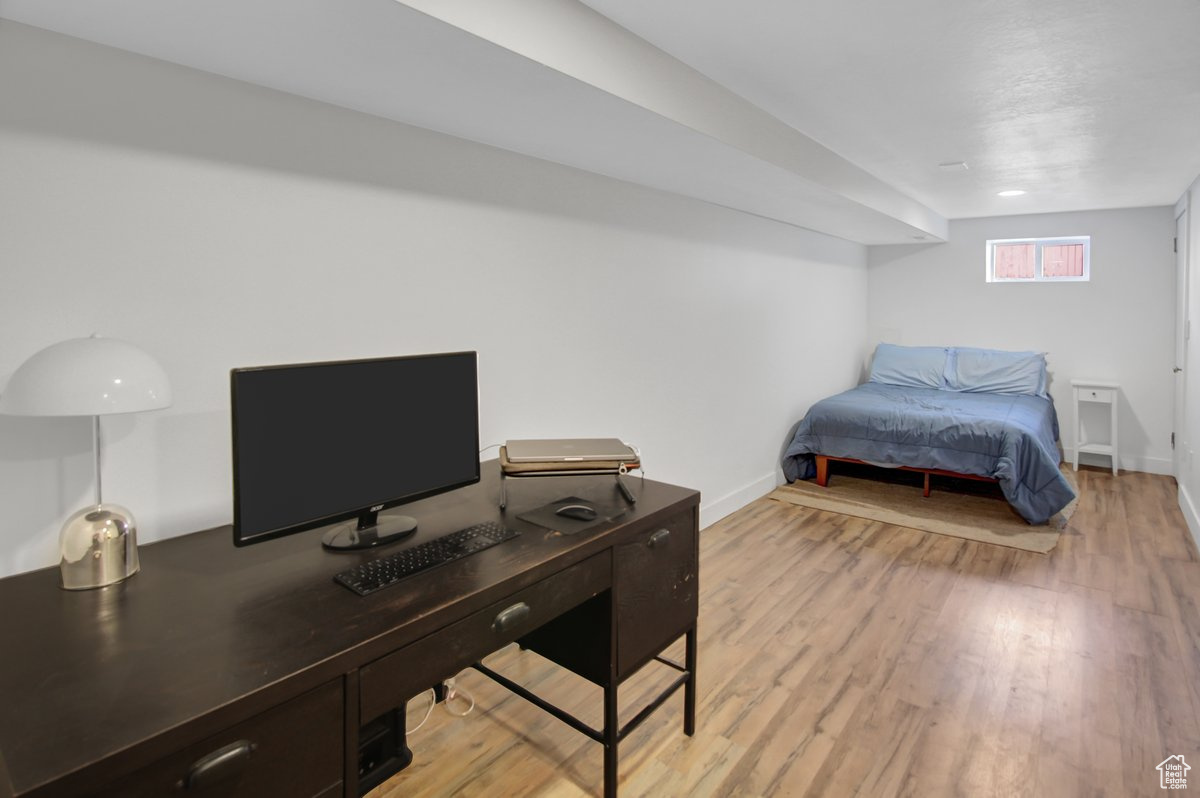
1009	437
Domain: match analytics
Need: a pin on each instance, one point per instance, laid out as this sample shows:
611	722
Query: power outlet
443	691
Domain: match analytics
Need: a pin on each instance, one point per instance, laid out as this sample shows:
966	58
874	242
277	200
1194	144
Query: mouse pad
547	515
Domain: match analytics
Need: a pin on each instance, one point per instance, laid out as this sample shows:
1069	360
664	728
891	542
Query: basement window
1039	260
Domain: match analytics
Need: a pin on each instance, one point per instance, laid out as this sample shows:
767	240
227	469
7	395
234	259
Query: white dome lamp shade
91	377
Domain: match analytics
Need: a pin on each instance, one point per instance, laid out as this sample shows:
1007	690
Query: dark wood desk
120	691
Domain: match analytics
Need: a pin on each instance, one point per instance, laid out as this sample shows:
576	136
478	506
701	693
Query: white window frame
1039	243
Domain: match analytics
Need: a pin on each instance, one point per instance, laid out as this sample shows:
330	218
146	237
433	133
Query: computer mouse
580	512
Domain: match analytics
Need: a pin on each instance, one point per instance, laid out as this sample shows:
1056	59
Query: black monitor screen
318	443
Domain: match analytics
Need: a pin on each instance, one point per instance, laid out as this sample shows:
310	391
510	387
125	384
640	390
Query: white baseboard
714	511
1189	513
1147	465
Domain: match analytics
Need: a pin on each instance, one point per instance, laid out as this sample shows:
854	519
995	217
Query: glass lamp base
99	547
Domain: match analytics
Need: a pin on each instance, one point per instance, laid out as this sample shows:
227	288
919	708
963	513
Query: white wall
1117	326
217	224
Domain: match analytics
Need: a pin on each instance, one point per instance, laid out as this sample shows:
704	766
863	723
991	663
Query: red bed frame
823	471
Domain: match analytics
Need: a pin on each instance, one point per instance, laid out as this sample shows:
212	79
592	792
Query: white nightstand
1098	392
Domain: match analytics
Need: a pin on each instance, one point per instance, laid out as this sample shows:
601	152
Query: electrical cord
428	712
638	453
453	692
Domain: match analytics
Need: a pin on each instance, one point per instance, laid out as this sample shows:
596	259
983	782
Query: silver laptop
568	450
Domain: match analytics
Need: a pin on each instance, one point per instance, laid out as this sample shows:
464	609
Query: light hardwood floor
840	656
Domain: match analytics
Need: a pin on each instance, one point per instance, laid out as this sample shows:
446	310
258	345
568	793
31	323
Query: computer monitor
315	444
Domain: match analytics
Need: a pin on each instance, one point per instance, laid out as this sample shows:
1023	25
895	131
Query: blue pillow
910	366
996	371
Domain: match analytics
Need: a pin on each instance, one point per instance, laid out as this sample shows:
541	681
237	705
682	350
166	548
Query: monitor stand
369	531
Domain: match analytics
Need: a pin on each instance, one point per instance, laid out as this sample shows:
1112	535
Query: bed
981	414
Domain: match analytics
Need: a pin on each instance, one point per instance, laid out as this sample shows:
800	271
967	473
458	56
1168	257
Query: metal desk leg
689	689
611	735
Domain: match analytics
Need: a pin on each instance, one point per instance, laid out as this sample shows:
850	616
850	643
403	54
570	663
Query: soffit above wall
547	78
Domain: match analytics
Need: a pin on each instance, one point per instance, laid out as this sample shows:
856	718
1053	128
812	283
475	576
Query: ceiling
832	116
1083	104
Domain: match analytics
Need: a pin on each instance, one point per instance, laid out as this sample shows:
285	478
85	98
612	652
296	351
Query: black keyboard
377	574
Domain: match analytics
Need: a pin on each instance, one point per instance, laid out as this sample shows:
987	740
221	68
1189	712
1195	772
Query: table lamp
91	377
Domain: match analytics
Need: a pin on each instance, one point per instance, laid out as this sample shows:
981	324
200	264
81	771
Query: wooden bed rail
823	471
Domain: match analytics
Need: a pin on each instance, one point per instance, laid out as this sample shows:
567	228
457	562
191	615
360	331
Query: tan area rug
988	519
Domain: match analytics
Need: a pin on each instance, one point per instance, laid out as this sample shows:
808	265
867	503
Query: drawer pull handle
658	537
511	617
219	765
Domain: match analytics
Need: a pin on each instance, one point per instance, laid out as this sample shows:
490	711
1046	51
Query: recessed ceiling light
953	166
1012	192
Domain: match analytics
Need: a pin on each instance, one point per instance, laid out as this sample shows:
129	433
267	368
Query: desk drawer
1105	395
294	749
656	587
390	681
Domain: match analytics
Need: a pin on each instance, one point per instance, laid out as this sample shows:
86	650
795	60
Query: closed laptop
569	450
